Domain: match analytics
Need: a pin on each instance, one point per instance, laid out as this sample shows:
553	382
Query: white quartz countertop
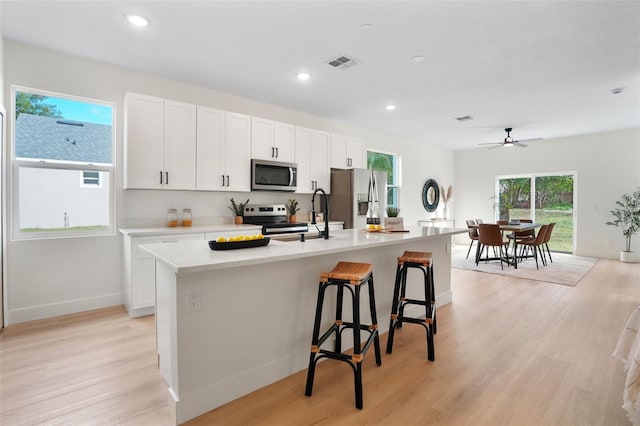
195	256
165	230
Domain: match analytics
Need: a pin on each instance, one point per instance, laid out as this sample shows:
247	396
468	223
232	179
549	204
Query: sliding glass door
552	202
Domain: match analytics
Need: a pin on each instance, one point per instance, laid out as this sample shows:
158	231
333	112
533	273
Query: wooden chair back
490	235
473	232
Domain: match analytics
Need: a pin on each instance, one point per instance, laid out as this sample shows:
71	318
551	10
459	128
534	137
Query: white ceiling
545	68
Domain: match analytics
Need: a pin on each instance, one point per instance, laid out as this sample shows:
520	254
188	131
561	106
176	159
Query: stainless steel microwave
273	175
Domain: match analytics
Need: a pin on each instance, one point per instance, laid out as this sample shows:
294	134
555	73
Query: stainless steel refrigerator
354	192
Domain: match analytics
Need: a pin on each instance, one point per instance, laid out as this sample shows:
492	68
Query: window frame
18	164
397	172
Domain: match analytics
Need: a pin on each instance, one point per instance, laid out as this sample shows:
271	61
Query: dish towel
628	351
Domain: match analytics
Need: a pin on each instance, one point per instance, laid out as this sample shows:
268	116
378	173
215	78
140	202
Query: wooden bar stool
424	262
350	276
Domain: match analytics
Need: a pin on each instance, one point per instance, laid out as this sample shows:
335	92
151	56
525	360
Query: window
62	165
388	163
544	198
90	179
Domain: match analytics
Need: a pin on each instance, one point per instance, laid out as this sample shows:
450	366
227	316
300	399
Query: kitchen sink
296	237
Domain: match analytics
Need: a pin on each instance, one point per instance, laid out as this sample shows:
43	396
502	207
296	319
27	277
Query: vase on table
445	211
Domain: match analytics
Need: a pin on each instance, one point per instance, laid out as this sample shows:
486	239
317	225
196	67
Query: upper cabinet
160	143
347	153
312	156
224	150
272	140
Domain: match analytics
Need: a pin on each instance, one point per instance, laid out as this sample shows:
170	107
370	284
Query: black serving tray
213	245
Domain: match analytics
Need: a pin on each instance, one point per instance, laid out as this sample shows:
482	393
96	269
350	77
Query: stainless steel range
273	218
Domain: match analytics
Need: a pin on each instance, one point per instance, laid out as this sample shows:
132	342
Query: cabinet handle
277	154
222	180
160	177
166	175
273	152
227	180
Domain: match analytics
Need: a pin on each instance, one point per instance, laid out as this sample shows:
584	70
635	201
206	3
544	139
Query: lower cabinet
140	272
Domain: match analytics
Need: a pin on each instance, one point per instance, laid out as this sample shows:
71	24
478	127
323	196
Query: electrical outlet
193	300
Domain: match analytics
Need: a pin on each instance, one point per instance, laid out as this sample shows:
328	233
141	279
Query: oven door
273	175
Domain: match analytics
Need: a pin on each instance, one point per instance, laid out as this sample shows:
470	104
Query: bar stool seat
424	262
349	276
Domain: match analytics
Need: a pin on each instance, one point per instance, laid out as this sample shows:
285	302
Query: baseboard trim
32	313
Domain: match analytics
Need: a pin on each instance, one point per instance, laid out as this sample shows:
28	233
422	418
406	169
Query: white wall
53	277
607	165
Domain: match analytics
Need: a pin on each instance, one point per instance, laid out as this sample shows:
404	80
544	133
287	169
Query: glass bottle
186	217
172	218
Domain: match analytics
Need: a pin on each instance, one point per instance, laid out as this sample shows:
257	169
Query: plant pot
238	220
293	218
628	256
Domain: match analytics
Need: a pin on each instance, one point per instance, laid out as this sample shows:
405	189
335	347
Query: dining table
510	227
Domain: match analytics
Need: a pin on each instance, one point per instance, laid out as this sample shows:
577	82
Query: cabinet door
303	158
262	139
143	141
284	141
320	161
339	152
210	148
237	155
356	153
179	145
143	281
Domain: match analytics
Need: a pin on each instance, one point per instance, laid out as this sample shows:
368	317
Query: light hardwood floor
508	352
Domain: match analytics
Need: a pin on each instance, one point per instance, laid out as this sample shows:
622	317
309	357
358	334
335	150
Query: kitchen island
230	322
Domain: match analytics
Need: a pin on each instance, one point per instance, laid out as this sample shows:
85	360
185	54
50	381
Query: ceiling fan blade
520	145
530	140
491	143
496	146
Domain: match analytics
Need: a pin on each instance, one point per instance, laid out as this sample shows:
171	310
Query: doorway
544	198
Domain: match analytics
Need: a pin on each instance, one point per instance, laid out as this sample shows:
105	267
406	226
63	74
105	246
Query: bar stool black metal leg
403	293
394	311
338	323
374	322
314	340
433	298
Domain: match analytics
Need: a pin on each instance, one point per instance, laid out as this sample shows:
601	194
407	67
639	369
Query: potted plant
238	210
292	208
627	216
393	211
392	221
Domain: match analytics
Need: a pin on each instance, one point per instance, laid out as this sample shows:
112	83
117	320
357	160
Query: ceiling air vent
465	118
343	62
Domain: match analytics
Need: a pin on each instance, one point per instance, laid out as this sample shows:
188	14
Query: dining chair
523	235
535	244
479	221
473	234
547	237
489	235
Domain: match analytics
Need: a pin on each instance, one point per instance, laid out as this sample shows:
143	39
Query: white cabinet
139	272
272	140
160	143
143	140
312	156
347	153
224	156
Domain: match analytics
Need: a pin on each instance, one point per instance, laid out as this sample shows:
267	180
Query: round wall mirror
430	195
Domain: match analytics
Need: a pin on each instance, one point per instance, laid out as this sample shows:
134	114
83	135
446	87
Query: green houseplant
393	211
292	209
238	210
627	216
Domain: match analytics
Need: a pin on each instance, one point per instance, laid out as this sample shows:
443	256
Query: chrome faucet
324	233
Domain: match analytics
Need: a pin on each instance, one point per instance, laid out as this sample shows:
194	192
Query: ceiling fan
509	142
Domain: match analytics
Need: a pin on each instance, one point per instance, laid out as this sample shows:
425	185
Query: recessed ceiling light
417	59
303	76
366	27
137	20
390	107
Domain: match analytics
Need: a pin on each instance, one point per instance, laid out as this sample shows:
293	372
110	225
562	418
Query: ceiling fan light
508	143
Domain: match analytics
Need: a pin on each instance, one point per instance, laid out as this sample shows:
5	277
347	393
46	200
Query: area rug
566	269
